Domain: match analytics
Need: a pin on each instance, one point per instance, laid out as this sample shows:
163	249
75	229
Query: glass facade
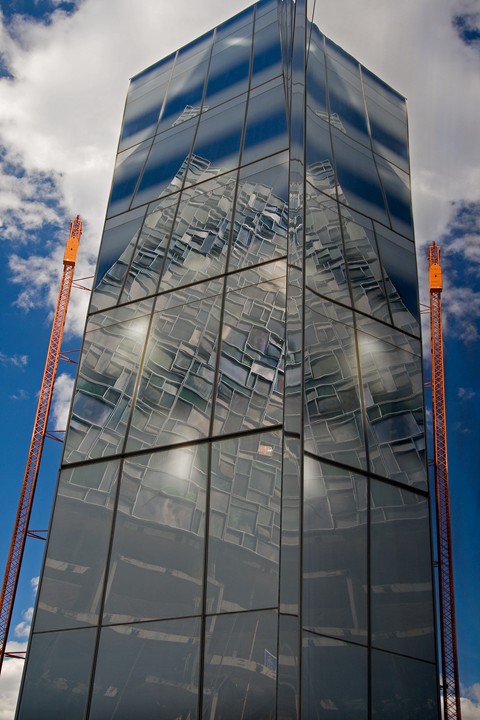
241	528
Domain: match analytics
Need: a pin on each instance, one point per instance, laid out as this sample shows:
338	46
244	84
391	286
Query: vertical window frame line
203	618
100	626
237	184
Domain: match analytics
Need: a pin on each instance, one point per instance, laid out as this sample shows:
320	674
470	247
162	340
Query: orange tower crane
451	689
20	530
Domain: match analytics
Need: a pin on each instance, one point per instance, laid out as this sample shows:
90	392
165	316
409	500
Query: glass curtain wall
241	528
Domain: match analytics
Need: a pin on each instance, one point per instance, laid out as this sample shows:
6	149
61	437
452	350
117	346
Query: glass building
241	529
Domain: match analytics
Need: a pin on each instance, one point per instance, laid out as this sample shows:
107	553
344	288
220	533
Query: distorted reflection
156	565
244	523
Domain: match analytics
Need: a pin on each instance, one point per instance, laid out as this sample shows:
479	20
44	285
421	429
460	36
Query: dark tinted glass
147	670
156	566
57	675
72	580
403	688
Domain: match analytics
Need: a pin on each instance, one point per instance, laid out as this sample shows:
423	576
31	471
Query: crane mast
451	689
22	519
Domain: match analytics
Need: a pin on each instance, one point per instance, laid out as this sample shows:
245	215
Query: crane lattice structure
20	530
451	689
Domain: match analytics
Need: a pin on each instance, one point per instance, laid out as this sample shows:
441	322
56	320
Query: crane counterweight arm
20	530
451	687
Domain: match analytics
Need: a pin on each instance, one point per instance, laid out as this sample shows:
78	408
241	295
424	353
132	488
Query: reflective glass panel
128	168
250	383
400	269
334	679
266	130
333	422
217	144
403	688
147	261
393	390
185	92
156	567
230	63
105	384
396	185
167	163
199	243
118	242
174	397
347	106
147	670
334	552
58	675
316	93
240	666
72	581
401	572
388	120
144	103
320	170
325	269
260	225
365	272
244	523
357	175
267	54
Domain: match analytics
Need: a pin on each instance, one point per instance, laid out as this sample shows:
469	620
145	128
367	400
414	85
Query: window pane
324	257
250	384
147	262
266	130
128	168
347	106
393	389
401	572
333	422
396	185
335	551
267	55
334	679
357	175
260	227
199	243
403	688
240	666
174	397
400	266
144	103
219	134
230	64
244	523
147	670
364	269
105	384
156	567
58	675
72	581
118	243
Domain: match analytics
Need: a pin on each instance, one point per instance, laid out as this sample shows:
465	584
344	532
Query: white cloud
14	360
466	393
10	681
470	702
22	394
34	583
62	396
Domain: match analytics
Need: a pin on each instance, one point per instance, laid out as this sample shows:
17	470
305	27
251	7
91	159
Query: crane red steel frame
451	689
20	530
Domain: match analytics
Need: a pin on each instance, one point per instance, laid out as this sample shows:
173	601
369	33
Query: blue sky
64	69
